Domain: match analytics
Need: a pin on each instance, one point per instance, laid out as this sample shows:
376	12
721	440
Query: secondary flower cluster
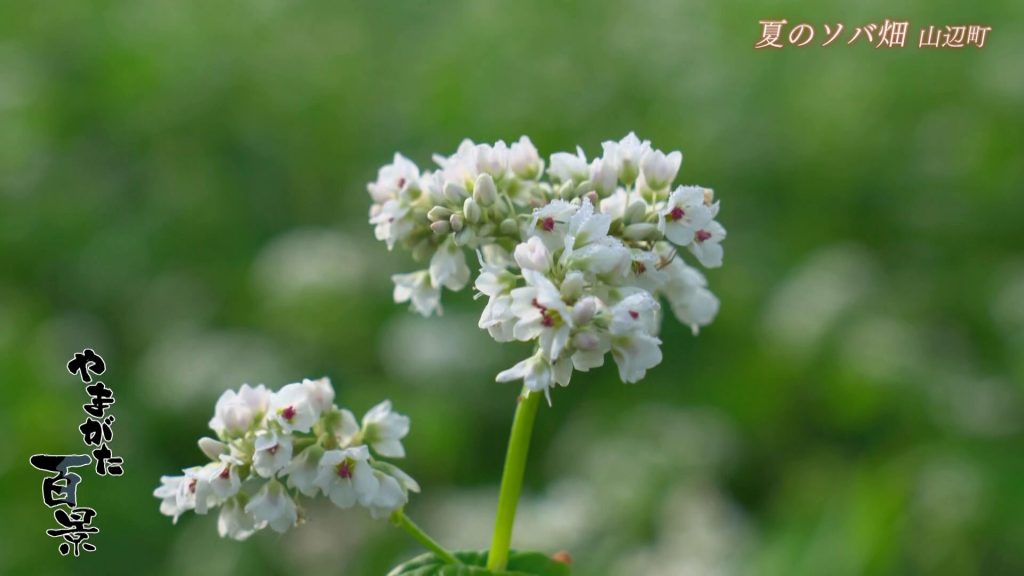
574	258
275	447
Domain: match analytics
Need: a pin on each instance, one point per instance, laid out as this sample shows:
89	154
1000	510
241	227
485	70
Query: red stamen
634	314
345	470
547	321
548	224
676	213
225	473
401	182
288	413
702	235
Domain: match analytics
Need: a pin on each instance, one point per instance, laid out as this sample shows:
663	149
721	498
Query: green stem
512	479
398	518
303	442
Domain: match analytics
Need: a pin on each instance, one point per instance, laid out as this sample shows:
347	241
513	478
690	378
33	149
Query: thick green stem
398	518
512	479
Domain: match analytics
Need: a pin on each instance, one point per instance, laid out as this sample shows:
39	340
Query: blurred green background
182	188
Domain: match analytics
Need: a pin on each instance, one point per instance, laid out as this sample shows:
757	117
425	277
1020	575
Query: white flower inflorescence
575	259
273	448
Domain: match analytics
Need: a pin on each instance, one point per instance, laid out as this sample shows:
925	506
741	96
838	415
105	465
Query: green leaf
473	564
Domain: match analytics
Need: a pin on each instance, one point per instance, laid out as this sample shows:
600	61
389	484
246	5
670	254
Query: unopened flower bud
212	448
584	310
472	210
572	286
586	340
465	237
457	222
500	210
524	160
641	231
567	191
660	169
484	191
628	171
626	155
509	227
533	255
604	176
492	160
439	213
455	193
584	187
441	227
340	425
635	212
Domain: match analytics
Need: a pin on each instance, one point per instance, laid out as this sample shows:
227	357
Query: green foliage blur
182	188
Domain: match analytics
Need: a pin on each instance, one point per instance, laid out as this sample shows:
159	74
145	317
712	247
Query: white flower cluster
275	447
574	259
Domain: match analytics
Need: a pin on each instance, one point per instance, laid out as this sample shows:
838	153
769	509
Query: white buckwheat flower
567	167
384	429
460	168
195	495
393	179
273	451
542	314
177	496
417	288
215	483
634	348
448	267
496	283
391	221
588	247
585	227
294	409
236	412
346	478
686	291
341	424
625	156
604	175
537	373
591	345
303	469
706	244
273	506
389	496
305	445
492	160
549	223
635	353
658	169
533	255
393	492
234	522
320	393
524	161
684	214
572	260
